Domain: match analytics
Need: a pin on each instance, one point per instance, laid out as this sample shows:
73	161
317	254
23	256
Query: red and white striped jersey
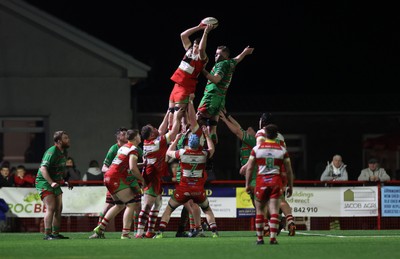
193	166
269	158
262	134
120	162
154	152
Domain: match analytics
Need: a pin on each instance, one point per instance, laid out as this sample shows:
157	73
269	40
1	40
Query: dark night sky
300	49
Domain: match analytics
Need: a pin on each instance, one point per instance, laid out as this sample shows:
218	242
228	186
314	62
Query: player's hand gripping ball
210	20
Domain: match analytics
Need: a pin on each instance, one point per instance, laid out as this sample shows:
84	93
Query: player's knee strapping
205	205
138	198
131	201
172	207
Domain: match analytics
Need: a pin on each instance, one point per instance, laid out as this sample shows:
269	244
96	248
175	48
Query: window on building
23	140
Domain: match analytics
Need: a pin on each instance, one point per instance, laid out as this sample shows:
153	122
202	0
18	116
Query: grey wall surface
52	70
89	109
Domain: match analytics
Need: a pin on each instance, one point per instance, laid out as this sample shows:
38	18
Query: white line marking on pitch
329	235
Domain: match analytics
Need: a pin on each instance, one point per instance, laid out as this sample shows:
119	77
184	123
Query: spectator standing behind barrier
94	172
22	178
335	171
6	179
373	173
72	172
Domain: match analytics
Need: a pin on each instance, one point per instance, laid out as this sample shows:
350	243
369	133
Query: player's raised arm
245	52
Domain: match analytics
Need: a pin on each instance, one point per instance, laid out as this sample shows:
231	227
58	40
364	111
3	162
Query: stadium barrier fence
316	205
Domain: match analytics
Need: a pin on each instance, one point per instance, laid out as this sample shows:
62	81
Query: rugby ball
210	20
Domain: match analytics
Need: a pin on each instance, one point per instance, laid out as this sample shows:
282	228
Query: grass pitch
231	244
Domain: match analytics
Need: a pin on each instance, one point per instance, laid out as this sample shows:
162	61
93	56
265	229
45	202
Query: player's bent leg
287	211
111	213
128	218
166	216
205	206
149	200
127	197
150	233
183	221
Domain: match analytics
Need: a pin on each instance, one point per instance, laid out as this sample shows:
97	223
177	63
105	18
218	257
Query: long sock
104	223
152	221
266	225
162	226
289	218
125	231
143	217
56	230
135	221
47	231
191	220
274	225
260	227
101	216
213	227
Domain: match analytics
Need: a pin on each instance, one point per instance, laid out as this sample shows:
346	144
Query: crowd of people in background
19	176
336	171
